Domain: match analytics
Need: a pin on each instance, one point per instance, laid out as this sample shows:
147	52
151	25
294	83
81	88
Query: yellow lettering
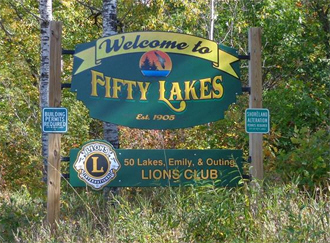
213	174
188	177
116	87
143	176
176	98
157	177
196	176
95	81
175	91
176	174
205	88
190	89
167	174
204	174
107	87
143	89
217	87
95	170
129	88
162	91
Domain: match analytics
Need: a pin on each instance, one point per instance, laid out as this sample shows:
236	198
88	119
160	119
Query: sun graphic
155	64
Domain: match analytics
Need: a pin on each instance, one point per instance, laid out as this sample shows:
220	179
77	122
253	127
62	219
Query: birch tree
211	31
109	14
45	9
110	130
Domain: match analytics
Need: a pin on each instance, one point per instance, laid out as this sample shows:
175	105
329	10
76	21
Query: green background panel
134	174
184	68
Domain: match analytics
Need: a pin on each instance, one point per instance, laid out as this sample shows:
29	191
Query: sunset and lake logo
155	64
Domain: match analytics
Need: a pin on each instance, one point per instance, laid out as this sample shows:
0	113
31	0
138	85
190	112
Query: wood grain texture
255	101
54	141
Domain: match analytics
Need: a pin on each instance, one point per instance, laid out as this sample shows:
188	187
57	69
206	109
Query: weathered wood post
255	101
54	144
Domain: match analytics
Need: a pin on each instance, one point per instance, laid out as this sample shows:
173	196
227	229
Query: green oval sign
156	80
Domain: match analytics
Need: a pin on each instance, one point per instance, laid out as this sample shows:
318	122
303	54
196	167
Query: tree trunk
110	130
45	8
109	14
211	31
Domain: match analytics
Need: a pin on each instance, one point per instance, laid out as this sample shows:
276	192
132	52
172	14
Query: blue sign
257	120
54	120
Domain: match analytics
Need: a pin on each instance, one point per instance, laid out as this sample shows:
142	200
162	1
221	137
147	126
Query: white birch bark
45	9
109	14
211	31
110	130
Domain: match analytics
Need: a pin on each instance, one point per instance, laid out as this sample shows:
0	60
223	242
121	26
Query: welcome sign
156	80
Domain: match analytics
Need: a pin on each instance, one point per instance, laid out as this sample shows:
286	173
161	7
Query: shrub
309	161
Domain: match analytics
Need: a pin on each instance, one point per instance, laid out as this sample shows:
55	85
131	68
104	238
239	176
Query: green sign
257	121
97	164
156	80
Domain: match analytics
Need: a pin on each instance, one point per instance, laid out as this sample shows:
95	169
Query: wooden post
255	82
54	143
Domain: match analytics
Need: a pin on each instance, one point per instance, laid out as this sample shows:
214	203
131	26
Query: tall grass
186	214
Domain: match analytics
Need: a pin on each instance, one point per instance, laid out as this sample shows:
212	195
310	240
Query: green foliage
309	161
296	104
18	210
299	142
296	75
280	213
20	123
19	118
296	78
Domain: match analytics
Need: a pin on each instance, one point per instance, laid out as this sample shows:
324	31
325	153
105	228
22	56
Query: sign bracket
246	89
65	85
244	57
67	52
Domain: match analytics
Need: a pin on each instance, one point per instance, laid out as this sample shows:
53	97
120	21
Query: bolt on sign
156	80
97	164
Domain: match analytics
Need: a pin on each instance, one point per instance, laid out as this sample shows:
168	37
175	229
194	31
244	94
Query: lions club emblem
97	164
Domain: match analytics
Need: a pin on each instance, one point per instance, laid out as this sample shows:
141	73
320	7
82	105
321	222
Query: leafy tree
19	99
296	78
21	161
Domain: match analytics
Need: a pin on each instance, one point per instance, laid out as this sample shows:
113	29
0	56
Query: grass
187	214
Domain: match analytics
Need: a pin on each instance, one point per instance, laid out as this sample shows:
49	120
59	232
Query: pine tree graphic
147	65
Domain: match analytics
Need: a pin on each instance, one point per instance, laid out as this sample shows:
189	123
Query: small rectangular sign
257	120
54	120
151	168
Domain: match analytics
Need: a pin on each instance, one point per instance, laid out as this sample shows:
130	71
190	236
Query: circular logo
97	164
155	64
